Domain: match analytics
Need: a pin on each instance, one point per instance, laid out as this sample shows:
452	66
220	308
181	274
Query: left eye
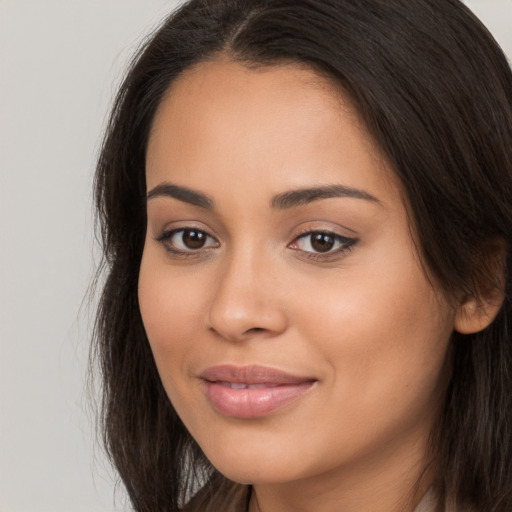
187	240
322	242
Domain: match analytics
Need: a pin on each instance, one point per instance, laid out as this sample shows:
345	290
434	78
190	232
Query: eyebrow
308	195
184	194
285	200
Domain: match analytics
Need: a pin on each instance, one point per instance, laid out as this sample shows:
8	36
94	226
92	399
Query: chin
255	473
258	464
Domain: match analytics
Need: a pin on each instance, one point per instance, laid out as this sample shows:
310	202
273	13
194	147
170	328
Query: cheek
385	335
170	306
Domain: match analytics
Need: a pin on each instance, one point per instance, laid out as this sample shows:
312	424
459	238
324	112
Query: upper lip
251	375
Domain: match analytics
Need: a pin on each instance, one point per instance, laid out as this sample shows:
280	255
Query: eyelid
166	236
345	243
341	242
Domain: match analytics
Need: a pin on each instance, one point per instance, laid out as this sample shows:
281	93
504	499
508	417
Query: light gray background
60	61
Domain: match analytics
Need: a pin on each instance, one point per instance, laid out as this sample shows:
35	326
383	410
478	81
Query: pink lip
251	391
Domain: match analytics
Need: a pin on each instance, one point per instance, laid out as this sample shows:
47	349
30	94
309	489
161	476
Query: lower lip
253	403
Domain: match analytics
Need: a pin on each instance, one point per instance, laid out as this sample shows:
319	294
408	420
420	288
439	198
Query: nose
247	301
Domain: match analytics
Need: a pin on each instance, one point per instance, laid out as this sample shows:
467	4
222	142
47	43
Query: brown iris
193	239
322	242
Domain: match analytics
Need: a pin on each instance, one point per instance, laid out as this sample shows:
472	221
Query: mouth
252	391
242	385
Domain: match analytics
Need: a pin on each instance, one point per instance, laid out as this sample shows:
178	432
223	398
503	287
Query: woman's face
291	322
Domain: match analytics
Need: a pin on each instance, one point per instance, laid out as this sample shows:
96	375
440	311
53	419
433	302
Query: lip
252	391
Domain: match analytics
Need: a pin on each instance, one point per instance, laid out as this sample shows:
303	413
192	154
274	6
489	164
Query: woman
306	211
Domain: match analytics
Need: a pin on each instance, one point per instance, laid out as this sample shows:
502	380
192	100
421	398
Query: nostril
238	318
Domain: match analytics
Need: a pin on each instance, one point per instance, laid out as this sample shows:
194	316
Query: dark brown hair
435	92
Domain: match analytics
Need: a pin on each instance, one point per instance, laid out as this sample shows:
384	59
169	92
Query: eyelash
345	243
166	240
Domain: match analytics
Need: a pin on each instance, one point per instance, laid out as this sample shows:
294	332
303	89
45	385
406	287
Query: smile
251	391
240	385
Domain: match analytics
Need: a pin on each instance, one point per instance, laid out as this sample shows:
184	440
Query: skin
364	321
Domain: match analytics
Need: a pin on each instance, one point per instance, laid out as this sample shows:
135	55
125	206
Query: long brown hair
435	91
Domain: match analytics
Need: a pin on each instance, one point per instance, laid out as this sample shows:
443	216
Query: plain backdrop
60	63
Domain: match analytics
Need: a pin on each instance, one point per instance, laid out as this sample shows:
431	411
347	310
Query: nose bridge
246	300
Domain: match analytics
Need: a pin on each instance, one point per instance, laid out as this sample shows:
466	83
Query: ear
476	312
475	315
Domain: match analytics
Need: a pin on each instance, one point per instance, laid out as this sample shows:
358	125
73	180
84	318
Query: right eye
187	240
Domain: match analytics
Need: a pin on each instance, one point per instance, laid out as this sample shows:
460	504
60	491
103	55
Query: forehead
288	118
255	82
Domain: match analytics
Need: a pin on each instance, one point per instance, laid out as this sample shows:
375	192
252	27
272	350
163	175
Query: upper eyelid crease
173	231
325	232
340	238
